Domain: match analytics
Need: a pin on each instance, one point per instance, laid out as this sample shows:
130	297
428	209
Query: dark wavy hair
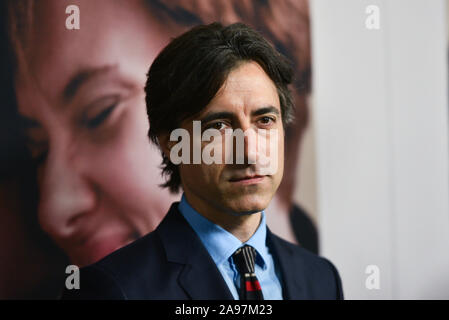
190	70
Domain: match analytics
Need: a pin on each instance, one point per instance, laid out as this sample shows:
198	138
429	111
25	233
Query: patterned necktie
244	259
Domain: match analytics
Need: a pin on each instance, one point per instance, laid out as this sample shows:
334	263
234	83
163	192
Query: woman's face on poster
80	94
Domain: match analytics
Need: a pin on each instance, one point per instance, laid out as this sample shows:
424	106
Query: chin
94	251
249	204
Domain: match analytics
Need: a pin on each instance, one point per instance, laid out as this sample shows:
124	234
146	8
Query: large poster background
79	177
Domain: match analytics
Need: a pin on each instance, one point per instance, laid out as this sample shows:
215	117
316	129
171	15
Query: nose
65	194
251	147
245	144
260	149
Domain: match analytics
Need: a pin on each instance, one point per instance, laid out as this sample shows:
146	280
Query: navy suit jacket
172	263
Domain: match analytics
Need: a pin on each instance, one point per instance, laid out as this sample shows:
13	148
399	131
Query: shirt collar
220	243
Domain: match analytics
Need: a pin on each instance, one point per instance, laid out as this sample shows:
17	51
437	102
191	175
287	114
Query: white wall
381	127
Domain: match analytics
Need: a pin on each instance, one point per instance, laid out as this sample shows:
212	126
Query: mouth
246	180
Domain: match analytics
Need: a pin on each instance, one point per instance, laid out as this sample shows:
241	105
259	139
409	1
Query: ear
165	144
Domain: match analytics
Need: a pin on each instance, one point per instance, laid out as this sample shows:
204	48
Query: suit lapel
200	277
204	283
290	267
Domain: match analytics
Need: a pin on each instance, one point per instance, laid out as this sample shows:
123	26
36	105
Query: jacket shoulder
95	284
318	275
117	275
299	252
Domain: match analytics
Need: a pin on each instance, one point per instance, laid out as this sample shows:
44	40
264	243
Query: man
214	243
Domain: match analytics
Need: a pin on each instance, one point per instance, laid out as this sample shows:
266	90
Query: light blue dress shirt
221	244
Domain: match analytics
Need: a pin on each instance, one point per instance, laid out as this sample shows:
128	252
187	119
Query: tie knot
244	259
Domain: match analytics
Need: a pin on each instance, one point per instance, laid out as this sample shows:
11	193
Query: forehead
246	87
119	33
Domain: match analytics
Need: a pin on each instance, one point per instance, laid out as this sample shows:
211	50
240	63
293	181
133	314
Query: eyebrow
71	89
265	110
229	115
75	83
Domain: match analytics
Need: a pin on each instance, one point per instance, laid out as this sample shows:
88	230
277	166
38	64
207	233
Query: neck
241	226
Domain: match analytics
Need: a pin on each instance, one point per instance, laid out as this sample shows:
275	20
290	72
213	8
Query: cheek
203	176
127	166
280	164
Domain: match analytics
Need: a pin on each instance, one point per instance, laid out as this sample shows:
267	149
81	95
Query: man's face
82	95
248	101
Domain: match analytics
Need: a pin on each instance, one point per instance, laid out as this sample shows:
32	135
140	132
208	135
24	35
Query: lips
236	179
247	180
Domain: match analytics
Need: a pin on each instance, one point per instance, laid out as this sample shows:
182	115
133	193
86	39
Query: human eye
41	157
217	125
267	120
100	112
35	139
38	149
